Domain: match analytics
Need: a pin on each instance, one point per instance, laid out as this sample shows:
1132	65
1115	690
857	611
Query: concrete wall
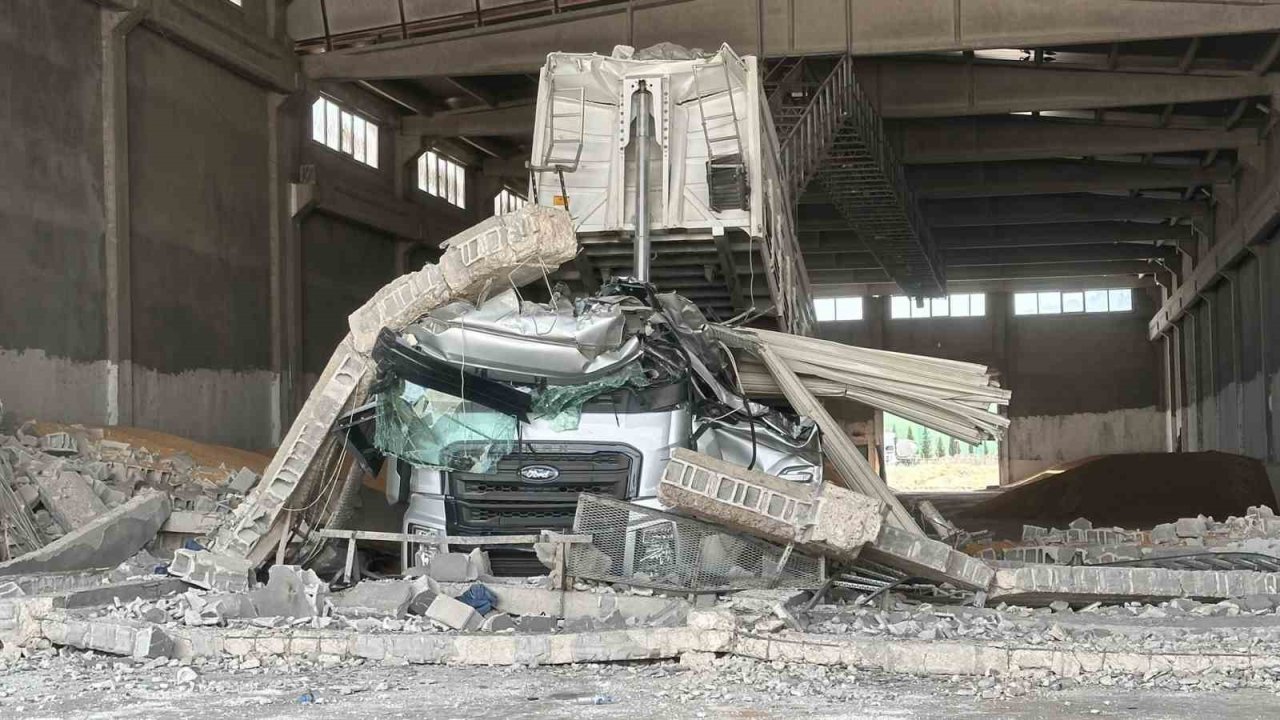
200	226
52	310
1228	377
1082	384
199	223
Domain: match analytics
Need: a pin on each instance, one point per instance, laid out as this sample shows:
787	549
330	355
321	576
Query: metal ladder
564	144
839	142
726	122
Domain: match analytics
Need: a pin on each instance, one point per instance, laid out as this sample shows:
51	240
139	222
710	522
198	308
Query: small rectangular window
1120	300
1072	302
344	131
1025	304
1050	303
1095	301
506	201
961	305
849	308
443	178
837	309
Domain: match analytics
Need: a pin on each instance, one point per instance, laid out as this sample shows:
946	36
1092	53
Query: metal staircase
831	134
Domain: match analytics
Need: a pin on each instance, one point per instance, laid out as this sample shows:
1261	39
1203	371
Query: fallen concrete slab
928	559
68	497
383	598
824	519
532	601
107	541
1043	584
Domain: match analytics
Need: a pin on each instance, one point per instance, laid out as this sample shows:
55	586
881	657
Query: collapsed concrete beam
1043	584
107	541
501	252
822	520
69	498
928	559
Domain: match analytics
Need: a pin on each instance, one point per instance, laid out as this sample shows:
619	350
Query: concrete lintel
967	140
920	89
1049	177
1055	209
871	27
1253	226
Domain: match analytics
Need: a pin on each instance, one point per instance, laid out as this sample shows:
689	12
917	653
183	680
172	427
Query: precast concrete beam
515	121
1037	255
1086	233
866	28
921	89
1126	268
968	140
1055	209
1051	177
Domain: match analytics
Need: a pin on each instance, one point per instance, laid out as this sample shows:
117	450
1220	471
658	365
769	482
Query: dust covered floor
85	685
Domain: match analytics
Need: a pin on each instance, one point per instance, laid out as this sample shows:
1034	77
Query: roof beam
872	27
921	89
510	121
1051	177
925	142
1090	233
1005	272
991	286
1038	255
1054	209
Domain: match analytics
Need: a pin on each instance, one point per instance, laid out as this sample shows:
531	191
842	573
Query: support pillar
115	194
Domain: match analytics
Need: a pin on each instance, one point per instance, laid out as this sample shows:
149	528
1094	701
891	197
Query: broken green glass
562	404
433	429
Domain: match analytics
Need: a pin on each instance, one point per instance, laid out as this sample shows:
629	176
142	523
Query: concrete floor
110	688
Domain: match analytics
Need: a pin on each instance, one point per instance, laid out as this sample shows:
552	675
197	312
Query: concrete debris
821	519
291	592
454	614
1041	585
212	572
385	598
106	541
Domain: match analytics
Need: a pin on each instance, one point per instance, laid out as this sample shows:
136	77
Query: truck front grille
506	503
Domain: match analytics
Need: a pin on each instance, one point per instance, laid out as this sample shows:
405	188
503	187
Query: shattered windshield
434	429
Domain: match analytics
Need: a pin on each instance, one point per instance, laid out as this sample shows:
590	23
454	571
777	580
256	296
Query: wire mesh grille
650	548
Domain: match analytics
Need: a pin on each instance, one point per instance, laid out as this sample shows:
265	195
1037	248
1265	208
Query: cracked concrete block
1190	527
243	481
397	304
453	613
383	598
497	622
212	571
291	592
928	559
826	520
108	540
508	250
69	497
451	567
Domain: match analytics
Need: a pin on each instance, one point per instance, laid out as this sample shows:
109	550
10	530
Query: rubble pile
58	483
1080	543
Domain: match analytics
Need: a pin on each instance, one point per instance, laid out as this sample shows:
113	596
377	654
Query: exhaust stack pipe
641	113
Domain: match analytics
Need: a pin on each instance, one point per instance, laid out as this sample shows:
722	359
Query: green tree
954	449
926	447
942	452
910	433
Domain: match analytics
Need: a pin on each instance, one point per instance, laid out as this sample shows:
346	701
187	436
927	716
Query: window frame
858	302
340	122
975	305
446	181
1087	306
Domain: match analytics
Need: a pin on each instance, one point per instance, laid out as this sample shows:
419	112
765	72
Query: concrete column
286	117
115	195
999	307
1262	256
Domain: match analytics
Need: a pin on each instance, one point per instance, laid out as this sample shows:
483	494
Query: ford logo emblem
539	473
